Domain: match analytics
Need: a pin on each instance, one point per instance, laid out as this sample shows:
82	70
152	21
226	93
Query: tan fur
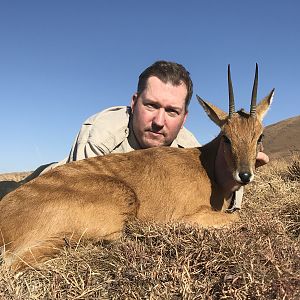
94	198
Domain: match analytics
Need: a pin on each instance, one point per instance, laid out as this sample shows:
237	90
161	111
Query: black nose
245	176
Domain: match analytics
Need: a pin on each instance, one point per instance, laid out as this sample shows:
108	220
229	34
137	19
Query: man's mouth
156	133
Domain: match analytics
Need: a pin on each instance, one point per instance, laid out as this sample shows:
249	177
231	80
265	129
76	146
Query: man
156	116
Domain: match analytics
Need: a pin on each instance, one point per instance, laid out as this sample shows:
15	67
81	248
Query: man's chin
151	140
153	145
149	143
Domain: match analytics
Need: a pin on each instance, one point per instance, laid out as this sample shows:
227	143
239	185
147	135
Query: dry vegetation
257	258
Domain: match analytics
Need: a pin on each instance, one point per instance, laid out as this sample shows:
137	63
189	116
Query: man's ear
133	101
217	115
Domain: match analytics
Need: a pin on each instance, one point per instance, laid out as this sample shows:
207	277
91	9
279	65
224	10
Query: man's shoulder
116	116
186	139
106	129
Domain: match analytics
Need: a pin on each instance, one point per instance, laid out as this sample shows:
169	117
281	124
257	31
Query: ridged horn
254	94
231	96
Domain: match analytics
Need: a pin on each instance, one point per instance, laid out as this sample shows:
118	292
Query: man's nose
159	118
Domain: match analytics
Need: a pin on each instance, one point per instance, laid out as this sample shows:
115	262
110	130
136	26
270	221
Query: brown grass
257	258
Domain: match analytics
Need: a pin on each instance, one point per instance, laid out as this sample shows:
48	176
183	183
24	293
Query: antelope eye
226	140
260	138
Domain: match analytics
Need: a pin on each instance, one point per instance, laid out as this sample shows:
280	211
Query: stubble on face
158	113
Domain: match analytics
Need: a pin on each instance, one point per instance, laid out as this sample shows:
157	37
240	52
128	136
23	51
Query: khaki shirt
109	131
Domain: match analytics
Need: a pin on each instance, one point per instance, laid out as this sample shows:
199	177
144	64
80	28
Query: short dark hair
167	71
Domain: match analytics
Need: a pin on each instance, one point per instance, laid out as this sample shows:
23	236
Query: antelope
95	197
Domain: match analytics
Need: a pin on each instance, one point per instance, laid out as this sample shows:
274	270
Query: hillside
282	139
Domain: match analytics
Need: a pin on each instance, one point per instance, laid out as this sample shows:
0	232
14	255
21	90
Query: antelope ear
217	115
263	107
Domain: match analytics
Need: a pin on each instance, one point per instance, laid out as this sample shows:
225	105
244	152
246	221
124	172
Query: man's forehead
154	81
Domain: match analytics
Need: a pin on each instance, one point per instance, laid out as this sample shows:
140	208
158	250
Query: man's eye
172	113
226	140
150	106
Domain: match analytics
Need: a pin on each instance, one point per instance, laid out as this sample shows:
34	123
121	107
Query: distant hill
282	139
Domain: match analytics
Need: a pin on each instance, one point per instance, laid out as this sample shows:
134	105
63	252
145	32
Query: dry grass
257	258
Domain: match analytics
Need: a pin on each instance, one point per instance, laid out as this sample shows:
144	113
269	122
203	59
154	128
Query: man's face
158	113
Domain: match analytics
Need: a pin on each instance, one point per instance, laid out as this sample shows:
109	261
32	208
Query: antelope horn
254	94
231	96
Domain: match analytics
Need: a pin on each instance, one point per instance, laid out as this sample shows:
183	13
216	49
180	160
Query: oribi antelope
95	197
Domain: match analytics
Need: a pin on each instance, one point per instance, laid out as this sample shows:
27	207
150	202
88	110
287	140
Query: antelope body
95	197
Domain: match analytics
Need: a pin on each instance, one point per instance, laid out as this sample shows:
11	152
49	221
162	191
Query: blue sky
62	61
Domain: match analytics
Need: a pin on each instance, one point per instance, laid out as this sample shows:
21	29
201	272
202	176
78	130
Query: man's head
160	105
